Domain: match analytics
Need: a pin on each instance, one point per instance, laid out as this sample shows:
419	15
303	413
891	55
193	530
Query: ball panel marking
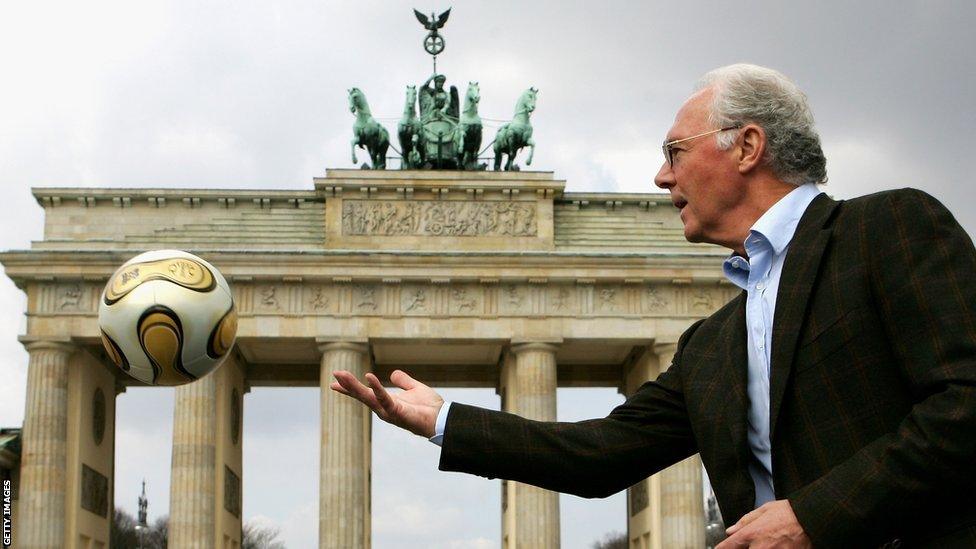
114	353
186	272
222	337
161	338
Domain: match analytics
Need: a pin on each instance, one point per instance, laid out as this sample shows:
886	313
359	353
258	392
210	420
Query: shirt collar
776	227
779	222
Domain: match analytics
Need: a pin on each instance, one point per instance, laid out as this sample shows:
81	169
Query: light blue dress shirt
766	248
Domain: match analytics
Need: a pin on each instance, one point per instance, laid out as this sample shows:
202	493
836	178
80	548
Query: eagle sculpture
430	23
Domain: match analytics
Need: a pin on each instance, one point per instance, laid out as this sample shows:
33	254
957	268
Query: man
833	402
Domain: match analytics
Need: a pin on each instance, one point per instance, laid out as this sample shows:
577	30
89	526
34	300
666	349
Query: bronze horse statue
514	135
467	135
409	134
367	133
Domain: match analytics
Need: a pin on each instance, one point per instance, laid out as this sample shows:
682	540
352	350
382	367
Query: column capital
39	343
664	346
518	348
550	345
357	344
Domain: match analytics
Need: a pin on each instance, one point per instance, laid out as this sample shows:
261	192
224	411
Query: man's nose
665	177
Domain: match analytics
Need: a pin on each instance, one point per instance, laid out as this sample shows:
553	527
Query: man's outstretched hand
415	409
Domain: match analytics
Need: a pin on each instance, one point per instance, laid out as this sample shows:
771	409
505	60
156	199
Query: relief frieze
658	299
66	298
562	300
472	299
465	300
702	301
513	300
366	298
319	299
268	298
608	299
415	301
69	297
438	218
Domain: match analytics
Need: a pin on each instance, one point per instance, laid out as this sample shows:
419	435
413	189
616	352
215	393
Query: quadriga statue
514	135
367	133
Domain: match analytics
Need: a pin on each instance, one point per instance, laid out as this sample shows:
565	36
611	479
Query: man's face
702	179
439	83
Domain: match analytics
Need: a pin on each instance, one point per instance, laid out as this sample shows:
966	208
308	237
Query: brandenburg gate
463	279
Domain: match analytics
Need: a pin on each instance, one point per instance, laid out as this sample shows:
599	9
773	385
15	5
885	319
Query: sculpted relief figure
70	299
460	218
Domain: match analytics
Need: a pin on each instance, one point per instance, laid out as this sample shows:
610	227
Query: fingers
738	538
349	385
746	519
382	396
731	543
402	380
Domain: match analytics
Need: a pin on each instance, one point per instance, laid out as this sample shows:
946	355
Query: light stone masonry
344	488
192	506
532	394
682	507
44	454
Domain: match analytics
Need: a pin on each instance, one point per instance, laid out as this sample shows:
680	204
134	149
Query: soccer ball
167	317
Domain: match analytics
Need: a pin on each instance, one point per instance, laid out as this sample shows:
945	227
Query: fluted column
644	497
531	393
682	510
344	498
193	482
43	480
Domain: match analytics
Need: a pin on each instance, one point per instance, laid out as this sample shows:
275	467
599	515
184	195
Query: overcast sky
253	95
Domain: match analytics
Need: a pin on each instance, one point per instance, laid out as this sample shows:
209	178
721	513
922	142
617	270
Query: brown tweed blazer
872	397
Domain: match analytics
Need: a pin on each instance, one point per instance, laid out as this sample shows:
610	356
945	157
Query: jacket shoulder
882	199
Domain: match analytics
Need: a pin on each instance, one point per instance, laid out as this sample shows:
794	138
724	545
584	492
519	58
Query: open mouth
680	203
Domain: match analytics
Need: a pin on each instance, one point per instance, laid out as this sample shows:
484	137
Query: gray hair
752	94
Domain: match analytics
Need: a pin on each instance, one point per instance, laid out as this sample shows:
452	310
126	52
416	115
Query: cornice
93	196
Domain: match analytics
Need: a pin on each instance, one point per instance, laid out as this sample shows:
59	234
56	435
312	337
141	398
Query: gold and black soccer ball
167	317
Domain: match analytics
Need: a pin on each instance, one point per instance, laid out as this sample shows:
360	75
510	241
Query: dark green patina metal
441	136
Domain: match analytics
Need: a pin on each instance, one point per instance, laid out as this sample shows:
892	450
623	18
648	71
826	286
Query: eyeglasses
668	151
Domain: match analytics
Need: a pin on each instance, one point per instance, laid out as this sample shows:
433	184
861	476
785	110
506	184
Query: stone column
643	498
530	392
44	451
682	509
344	478
192	485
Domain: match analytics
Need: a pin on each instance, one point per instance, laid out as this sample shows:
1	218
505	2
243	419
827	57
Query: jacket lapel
736	367
796	282
733	342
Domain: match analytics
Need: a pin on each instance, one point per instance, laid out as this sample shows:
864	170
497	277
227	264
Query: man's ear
752	147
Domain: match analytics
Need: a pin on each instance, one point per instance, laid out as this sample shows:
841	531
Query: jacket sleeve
922	267
593	458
